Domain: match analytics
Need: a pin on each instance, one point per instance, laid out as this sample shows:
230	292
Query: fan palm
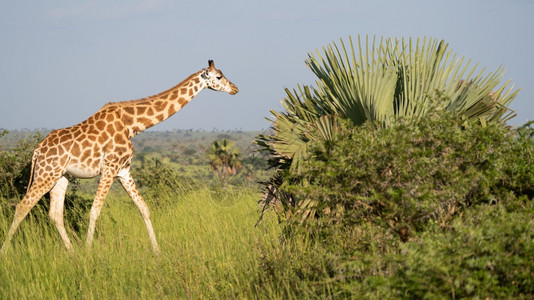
381	82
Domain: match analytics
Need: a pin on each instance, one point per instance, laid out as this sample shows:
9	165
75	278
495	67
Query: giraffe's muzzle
233	89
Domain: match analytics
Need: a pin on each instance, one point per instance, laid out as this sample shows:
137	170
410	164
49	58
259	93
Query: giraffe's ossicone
101	146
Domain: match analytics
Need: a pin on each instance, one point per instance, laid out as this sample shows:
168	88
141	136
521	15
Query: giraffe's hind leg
57	200
37	190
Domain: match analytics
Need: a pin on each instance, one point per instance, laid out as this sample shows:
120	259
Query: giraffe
101	146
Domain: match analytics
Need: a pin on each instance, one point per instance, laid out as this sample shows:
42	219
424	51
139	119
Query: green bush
487	252
15	167
422	209
409	174
158	180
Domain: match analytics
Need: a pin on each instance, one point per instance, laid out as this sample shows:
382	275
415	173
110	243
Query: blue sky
60	61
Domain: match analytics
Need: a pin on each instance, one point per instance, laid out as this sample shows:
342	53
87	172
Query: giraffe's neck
139	115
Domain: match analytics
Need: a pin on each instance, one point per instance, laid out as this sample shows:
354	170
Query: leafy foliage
421	209
483	249
410	173
158	179
486	252
15	167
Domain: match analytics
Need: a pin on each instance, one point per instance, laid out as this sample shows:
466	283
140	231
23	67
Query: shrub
422	209
15	167
486	253
409	174
158	179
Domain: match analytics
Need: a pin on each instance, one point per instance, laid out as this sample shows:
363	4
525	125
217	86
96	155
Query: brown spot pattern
110	129
100	125
146	122
182	102
141	110
160	106
129	110
172	109
75	150
119	139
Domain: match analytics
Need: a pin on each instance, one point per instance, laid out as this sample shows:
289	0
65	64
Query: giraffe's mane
149	98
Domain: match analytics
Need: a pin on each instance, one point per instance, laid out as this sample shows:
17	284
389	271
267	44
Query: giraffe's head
216	81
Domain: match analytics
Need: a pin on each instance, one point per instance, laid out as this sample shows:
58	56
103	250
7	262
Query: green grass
209	249
482	247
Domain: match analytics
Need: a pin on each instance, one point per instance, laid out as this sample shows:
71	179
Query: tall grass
480	248
209	249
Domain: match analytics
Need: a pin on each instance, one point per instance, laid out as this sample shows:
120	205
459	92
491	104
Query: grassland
209	249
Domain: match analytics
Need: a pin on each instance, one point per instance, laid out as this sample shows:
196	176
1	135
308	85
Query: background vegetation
419	192
446	211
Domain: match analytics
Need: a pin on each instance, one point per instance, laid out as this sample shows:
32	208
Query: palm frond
381	80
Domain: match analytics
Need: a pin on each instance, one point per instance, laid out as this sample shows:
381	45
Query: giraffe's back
82	149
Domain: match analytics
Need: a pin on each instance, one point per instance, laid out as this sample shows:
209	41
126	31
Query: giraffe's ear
211	65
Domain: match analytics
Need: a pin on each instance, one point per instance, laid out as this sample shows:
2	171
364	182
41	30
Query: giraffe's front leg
128	183
106	179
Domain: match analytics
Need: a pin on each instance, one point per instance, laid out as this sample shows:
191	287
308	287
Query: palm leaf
381	80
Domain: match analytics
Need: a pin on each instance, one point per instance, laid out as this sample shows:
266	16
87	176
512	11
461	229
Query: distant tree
224	158
189	151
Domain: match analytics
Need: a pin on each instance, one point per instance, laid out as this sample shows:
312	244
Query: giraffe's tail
34	159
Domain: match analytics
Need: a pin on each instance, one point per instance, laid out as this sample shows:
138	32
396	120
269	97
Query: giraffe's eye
219	77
